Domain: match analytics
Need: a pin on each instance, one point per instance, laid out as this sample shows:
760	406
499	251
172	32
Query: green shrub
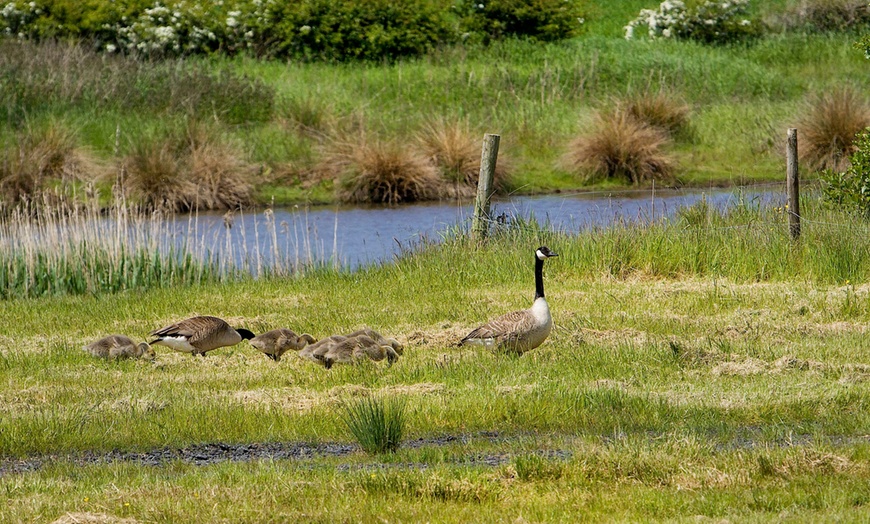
544	20
850	189
342	30
713	22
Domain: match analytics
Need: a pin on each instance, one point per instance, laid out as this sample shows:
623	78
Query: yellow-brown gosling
119	347
276	342
358	348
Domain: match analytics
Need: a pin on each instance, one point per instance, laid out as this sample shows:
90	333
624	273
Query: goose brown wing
195	329
504	327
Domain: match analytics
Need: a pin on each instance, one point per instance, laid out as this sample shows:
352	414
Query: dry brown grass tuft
621	147
223	179
658	110
41	158
828	127
196	171
377	171
456	151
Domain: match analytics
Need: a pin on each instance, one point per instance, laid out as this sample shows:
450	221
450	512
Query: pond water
351	237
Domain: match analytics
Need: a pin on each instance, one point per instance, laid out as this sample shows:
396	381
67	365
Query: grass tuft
40	159
378	171
196	170
659	110
455	150
621	147
828	128
376	423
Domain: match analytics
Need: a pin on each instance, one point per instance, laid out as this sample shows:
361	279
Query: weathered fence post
793	183
488	157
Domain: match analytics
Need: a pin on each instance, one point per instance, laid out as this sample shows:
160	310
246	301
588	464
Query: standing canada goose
118	347
278	341
197	335
357	348
519	331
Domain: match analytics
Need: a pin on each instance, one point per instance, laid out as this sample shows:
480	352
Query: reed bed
54	247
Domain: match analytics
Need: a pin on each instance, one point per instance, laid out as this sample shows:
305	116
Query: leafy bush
544	20
372	30
851	188
713	22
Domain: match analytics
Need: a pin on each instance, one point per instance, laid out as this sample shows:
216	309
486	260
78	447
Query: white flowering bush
188	28
713	22
18	18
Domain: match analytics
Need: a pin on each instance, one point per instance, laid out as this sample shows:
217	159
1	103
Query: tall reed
53	247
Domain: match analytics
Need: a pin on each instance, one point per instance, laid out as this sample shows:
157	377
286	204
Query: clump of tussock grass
620	146
377	423
456	152
380	171
194	170
828	127
659	110
39	160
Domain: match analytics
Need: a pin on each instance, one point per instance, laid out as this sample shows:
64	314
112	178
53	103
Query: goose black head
544	253
245	334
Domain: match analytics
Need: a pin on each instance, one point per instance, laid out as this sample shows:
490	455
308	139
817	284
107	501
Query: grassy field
702	370
277	122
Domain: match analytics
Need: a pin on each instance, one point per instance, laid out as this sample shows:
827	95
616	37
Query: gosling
360	347
275	343
117	347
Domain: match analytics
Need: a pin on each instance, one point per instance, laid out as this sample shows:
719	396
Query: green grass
706	367
537	96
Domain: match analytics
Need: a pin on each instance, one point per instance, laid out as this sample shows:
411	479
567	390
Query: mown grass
707	366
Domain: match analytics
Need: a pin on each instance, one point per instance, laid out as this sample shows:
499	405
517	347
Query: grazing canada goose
278	341
357	348
197	335
118	347
519	331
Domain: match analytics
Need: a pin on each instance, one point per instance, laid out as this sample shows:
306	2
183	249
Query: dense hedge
301	29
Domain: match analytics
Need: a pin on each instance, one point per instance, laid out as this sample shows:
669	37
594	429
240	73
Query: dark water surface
355	236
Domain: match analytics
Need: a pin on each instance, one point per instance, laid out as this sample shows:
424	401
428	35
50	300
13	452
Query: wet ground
213	453
205	454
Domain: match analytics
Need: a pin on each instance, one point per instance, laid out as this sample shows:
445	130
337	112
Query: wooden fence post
488	157
793	184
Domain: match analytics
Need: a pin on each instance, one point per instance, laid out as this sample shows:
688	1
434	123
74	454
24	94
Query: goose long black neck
539	278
